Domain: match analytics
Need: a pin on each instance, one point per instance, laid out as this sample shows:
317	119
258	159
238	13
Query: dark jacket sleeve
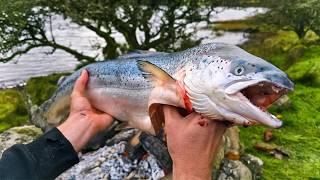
45	158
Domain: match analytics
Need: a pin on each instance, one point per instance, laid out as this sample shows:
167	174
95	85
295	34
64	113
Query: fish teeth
275	89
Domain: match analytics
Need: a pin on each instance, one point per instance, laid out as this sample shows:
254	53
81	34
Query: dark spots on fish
221	61
229	75
261	69
224	98
253	65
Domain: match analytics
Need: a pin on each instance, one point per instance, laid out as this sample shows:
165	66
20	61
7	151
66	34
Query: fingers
171	114
81	83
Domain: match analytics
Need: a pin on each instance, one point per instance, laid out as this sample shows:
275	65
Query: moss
28	131
300	136
274	47
12	109
234	25
307	72
311	37
41	88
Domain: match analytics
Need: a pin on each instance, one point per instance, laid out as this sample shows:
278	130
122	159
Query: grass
300	135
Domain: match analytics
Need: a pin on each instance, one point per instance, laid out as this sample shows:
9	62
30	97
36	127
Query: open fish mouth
261	96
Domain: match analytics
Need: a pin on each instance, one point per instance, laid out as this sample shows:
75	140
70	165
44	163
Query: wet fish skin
119	88
119	79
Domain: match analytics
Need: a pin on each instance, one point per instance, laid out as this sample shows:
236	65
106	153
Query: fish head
231	84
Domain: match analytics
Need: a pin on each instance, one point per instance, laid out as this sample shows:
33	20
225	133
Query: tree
22	28
163	23
297	15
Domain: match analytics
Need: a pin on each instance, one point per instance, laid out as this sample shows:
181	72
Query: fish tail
37	117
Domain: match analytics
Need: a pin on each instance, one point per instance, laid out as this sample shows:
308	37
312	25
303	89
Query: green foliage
12	109
296	15
25	25
275	47
41	88
307	72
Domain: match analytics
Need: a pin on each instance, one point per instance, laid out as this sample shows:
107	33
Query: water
42	62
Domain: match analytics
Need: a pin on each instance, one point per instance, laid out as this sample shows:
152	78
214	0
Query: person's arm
56	151
192	143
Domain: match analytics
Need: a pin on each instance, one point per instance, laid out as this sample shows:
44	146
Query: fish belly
129	105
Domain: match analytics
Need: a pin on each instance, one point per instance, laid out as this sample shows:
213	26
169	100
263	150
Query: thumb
171	114
81	83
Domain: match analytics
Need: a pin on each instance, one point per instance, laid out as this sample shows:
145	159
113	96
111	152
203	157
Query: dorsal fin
153	73
141	54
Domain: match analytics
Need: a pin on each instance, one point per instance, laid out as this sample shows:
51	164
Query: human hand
84	121
80	105
192	143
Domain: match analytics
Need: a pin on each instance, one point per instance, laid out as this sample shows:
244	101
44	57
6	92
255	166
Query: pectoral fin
157	117
167	91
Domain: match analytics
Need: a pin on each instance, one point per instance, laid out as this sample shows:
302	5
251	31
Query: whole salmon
220	81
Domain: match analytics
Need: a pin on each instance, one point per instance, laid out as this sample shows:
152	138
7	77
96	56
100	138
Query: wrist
78	129
191	171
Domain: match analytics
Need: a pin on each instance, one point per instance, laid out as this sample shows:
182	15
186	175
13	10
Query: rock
234	170
109	163
267	135
18	135
255	165
230	148
153	145
280	153
261	146
274	150
232	145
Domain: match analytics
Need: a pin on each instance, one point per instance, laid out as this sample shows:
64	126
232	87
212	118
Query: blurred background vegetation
286	34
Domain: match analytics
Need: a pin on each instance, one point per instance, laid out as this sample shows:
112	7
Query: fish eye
238	71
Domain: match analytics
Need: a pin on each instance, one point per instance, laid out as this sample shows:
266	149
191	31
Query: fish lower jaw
261	115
